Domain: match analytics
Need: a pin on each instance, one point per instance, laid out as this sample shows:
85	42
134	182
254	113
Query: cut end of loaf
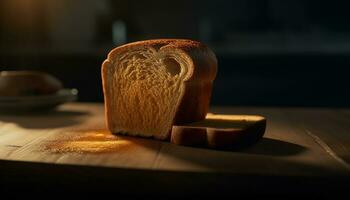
144	87
144	84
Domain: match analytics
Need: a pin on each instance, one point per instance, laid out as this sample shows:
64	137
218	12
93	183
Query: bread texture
151	85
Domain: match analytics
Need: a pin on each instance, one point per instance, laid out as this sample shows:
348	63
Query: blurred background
270	52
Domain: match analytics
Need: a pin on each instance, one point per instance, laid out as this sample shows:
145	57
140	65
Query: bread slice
229	132
151	85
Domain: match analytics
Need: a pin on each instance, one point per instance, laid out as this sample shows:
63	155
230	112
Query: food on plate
28	83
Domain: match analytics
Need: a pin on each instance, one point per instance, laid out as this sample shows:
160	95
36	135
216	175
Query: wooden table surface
303	148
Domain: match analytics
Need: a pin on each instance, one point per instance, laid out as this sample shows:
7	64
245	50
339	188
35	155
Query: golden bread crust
195	98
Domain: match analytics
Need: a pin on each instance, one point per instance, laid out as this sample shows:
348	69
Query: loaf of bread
28	83
151	85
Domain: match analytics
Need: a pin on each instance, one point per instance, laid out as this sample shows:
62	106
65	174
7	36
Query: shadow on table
93	180
43	120
273	147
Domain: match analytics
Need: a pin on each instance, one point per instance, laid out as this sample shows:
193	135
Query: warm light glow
218	121
234	117
88	142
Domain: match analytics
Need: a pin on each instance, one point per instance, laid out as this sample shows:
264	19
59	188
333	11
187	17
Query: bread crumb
88	142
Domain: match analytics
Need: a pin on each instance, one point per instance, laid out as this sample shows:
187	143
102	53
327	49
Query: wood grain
299	142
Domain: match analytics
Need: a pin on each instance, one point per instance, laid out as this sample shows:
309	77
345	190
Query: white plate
37	103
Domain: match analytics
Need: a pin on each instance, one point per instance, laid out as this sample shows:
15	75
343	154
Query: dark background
270	52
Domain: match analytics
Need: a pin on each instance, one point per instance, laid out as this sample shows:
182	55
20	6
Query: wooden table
304	150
